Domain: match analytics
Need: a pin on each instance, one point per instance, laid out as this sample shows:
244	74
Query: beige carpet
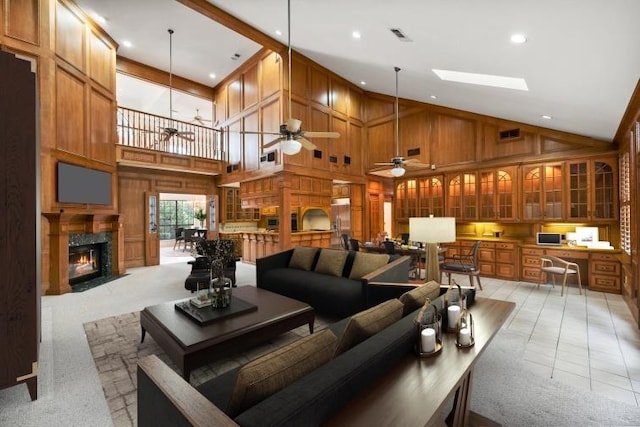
116	348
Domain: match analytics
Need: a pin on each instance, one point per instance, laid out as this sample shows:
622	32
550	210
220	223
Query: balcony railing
144	130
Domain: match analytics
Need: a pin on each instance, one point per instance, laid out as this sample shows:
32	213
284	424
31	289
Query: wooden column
58	254
284	201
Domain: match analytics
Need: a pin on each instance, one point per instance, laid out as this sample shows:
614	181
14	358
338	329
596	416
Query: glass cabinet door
430	197
532	193
578	191
553	192
454	197
505	195
470	196
487	195
604	191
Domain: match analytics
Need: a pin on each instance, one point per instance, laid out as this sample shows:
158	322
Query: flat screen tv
77	184
549	239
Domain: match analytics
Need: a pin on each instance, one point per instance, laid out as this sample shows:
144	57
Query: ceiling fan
398	162
166	133
199	120
291	136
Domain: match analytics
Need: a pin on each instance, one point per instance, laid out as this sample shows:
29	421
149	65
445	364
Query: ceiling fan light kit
397	171
290	146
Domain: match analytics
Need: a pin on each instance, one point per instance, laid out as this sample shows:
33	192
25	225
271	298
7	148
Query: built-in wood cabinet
498	259
497	194
592	185
420	197
233	210
604	273
542	192
462	196
406	199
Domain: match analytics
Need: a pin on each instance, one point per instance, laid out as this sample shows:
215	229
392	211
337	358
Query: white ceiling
581	61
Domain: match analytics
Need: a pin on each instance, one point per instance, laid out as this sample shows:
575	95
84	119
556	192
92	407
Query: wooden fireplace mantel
61	224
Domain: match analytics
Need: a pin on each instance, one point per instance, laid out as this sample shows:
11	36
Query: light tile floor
589	341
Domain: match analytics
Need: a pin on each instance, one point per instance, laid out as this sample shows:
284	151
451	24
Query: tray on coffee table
206	315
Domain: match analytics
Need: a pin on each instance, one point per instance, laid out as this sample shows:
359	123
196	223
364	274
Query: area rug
504	390
115	346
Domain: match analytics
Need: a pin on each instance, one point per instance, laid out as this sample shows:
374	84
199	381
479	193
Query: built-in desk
599	268
416	390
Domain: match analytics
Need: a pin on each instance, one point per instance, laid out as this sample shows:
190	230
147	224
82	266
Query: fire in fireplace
85	262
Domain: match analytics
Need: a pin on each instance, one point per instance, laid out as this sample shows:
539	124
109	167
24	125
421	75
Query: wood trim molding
630	116
231	22
145	72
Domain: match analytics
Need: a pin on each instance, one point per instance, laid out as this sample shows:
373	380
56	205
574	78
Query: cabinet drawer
604	257
507	256
603	267
530	274
489	245
531	261
567	254
532	251
466	243
509	246
604	283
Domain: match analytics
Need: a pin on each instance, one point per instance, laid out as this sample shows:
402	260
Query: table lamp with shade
432	231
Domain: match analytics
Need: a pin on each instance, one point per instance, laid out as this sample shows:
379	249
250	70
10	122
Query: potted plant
201	216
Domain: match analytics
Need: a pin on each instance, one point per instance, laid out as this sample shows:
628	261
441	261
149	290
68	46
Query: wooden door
19	226
151	238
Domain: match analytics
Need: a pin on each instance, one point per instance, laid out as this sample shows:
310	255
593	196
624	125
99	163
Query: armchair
463	264
209	250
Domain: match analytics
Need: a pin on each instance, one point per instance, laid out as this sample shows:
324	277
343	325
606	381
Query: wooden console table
415	392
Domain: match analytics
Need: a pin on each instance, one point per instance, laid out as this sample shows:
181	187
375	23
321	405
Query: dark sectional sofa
338	294
165	399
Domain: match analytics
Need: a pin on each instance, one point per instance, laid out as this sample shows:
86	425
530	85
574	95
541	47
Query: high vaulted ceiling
581	60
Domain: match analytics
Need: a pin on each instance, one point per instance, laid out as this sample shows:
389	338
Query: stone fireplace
81	247
89	257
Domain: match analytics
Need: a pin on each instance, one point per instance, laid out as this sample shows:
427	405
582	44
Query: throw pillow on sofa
302	257
416	297
331	261
365	263
369	322
274	371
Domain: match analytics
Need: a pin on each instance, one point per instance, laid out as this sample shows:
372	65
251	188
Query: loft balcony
143	141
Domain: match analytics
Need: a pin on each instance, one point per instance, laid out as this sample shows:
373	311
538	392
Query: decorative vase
220	292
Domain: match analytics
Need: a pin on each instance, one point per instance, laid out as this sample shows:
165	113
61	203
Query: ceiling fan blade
306	144
384	164
256	132
272	143
321	134
189	136
416	164
293	125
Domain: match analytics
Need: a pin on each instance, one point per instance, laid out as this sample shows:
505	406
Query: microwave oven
549	239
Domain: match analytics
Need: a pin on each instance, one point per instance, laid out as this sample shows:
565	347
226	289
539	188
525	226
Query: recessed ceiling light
356	34
212	76
100	19
278	32
482	79
127	43
518	38
433	97
546	117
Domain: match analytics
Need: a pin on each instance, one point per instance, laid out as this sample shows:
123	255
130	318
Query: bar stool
558	267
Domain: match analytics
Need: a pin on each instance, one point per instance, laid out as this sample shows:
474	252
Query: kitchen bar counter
257	244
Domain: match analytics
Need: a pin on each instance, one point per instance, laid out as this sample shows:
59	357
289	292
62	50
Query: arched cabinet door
593	191
497	195
542	192
462	196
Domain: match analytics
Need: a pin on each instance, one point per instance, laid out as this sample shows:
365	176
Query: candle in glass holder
453	312
428	340
465	336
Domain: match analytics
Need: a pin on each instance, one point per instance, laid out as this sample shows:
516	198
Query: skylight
516	83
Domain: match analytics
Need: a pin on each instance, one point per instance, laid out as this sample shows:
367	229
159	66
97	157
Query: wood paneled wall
76	99
135	184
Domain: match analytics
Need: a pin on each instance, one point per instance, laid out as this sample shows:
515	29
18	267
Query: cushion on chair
364	263
274	371
416	297
369	322
302	258
453	266
331	261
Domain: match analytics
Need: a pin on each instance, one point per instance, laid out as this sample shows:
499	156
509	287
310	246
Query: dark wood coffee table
190	345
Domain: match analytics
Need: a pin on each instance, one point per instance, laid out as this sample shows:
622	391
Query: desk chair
558	267
463	264
345	241
190	237
389	247
355	244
